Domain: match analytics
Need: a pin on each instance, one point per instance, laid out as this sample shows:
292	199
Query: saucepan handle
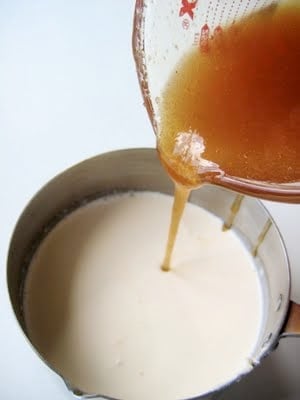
292	324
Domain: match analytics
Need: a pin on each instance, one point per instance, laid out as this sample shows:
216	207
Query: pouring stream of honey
180	199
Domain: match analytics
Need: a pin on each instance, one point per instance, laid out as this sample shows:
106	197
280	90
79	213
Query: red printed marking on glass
204	38
187	7
185	23
217	31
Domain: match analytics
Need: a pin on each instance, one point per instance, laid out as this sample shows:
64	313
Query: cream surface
104	315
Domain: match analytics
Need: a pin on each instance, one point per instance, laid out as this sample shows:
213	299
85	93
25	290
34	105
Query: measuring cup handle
292	324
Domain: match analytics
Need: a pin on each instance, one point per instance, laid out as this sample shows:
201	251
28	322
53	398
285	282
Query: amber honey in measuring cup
221	84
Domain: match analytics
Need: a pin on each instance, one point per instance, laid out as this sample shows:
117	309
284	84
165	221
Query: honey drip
261	237
234	209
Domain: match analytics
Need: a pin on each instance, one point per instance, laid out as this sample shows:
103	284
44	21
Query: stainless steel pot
139	169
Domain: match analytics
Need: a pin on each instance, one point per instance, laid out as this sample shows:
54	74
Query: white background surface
68	91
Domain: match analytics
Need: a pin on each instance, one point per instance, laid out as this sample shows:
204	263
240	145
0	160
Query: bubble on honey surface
190	147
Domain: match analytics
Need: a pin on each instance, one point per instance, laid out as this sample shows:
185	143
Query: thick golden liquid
180	199
242	97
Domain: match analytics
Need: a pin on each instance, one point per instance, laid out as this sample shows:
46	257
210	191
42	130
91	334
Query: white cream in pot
104	315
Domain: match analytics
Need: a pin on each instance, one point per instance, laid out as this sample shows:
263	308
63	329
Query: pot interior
139	169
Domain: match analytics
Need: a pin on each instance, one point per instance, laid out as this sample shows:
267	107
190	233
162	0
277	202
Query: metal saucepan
139	169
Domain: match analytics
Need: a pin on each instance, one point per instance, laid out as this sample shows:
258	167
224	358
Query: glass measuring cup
164	32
